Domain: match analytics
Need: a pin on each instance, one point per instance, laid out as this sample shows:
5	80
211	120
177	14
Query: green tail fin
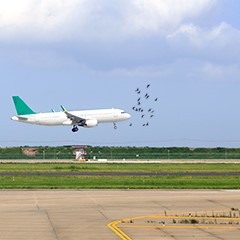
21	107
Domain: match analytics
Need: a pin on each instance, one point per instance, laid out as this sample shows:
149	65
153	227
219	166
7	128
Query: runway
72	214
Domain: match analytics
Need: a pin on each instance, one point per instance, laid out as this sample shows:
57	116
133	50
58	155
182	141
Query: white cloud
219	43
197	36
84	19
220	72
39	19
110	36
150	72
166	15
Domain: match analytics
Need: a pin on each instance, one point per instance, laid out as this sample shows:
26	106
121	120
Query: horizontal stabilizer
22	118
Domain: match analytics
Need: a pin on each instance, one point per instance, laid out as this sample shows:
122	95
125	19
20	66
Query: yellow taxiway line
115	228
120	233
183	227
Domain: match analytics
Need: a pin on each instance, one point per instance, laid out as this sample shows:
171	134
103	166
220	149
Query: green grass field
150	167
119	182
106	182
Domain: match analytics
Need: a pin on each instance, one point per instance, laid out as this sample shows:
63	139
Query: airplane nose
128	115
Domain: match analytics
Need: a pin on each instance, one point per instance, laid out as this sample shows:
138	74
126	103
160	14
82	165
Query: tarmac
89	214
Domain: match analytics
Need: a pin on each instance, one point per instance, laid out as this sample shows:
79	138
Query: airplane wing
75	119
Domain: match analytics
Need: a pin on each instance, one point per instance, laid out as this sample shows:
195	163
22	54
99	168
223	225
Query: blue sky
90	54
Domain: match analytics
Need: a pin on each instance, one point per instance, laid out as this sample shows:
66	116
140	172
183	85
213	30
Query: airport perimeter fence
38	156
166	156
127	156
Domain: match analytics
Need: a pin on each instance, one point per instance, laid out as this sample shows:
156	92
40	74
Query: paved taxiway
71	214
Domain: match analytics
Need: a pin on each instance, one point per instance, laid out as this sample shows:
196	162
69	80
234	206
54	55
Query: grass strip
105	182
149	167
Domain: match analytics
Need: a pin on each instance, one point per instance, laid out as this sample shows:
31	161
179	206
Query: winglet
63	108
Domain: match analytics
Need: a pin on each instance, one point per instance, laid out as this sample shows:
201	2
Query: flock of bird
142	106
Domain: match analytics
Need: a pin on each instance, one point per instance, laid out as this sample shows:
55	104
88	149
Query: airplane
84	118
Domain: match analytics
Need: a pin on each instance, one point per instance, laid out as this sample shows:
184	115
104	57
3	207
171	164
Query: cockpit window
123	112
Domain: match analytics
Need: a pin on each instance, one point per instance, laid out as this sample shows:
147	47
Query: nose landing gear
115	125
74	129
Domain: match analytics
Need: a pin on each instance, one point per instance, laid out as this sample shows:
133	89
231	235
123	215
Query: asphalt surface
119	174
85	214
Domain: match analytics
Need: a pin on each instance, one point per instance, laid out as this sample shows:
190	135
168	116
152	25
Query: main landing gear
75	129
115	125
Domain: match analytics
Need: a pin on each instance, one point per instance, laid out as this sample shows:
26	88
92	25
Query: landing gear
115	125
75	129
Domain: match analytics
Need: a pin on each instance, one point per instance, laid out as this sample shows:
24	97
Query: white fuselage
60	118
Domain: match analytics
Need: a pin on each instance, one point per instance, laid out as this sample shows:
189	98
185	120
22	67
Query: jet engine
91	123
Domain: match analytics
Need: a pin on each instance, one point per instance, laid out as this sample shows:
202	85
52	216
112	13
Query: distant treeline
163	152
67	152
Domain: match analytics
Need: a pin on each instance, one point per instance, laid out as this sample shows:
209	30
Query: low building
80	152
